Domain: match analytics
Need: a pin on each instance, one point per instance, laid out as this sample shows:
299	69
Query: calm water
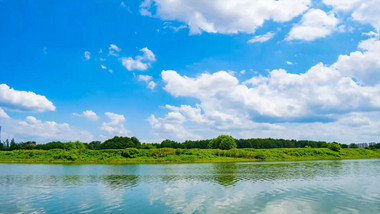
351	186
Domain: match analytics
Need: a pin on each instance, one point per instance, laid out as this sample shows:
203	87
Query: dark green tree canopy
224	142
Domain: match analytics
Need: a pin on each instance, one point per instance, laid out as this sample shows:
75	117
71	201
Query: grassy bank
169	155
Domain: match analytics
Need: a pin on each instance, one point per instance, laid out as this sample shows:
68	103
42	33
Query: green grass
169	155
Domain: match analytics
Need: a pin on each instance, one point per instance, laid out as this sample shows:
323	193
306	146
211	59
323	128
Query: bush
163	152
130	153
334	147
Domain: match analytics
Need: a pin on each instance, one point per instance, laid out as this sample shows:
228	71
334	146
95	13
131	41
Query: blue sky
90	70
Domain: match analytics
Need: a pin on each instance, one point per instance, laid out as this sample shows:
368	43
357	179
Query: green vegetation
224	142
133	155
222	148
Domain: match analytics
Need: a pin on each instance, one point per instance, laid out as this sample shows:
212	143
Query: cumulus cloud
225	16
42	131
324	93
171	126
363	65
87	55
364	11
368	12
262	38
314	24
140	62
87	114
14	100
116	125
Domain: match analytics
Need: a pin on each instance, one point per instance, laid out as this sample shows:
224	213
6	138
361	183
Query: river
341	186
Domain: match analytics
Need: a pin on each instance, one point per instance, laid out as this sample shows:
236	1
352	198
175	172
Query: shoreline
179	156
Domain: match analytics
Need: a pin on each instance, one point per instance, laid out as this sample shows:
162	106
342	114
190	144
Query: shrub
334	147
130	153
163	152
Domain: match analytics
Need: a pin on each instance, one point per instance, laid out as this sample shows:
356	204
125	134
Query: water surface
343	186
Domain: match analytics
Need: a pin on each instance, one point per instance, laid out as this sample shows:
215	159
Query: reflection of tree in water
120	181
225	174
228	174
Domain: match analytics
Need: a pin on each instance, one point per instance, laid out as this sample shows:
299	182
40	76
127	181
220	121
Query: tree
224	142
136	142
353	146
334	146
13	144
117	143
94	144
7	143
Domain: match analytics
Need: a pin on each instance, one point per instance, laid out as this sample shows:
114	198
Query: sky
190	69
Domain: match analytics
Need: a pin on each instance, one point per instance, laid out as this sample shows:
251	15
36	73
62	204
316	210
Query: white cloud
87	55
171	126
371	34
362	65
87	114
3	114
176	29
364	11
14	100
151	85
289	62
141	63
113	50
315	24
116	125
105	68
193	114
342	4
369	13
274	103
42	131
262	38
225	16
144	78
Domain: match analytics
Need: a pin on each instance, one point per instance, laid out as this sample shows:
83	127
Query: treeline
221	142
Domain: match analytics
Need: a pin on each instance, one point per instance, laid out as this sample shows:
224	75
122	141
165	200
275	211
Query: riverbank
169	155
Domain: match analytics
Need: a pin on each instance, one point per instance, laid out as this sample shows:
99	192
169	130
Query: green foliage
170	144
136	142
148	146
334	146
163	152
179	155
117	143
14	145
353	146
93	145
130	153
223	142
